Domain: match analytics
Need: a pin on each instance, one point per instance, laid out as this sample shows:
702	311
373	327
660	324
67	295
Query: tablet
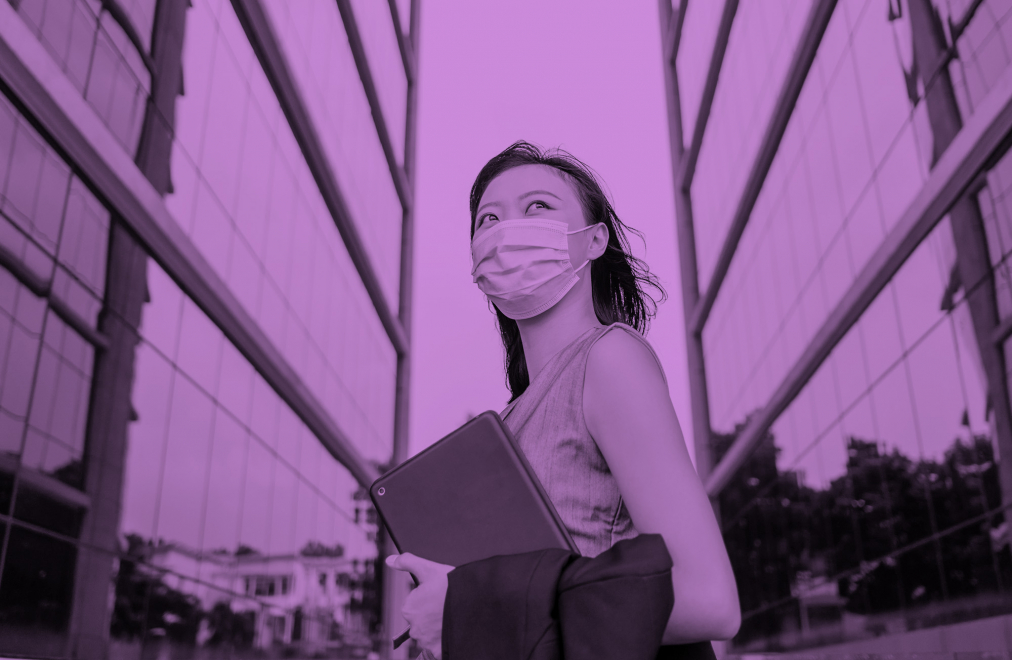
470	496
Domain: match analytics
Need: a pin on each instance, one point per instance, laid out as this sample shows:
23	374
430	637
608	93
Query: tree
317	549
232	629
145	604
892	531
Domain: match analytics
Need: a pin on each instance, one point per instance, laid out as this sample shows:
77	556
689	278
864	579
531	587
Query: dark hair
616	276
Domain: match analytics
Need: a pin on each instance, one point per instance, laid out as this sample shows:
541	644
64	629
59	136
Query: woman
590	405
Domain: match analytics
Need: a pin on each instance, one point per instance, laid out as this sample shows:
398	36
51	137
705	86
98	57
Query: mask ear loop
577	231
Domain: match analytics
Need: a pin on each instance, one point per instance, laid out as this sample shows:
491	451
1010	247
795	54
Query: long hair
617	278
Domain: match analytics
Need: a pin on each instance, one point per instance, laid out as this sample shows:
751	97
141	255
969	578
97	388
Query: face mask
523	266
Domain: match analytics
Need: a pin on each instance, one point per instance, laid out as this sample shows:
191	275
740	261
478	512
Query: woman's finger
421	568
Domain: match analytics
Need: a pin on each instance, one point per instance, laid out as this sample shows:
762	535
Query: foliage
144	604
874	531
234	629
317	549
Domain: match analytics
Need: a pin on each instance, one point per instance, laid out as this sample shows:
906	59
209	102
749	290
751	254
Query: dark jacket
554	604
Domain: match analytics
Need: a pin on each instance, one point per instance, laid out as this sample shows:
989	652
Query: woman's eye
543	205
488	217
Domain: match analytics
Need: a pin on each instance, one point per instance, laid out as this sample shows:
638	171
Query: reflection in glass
36	593
146	438
118	83
34	505
225	485
54	442
892	543
282	524
258	496
222	484
184	479
20	327
326	71
98	57
39	170
873	505
6	487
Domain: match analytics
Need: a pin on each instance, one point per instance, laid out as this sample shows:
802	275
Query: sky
583	76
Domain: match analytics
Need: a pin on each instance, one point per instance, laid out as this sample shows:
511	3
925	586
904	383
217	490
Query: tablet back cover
470	496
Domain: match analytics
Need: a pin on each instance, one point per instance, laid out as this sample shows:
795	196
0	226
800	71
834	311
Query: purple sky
583	76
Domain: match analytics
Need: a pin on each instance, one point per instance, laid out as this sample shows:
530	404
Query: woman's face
529	191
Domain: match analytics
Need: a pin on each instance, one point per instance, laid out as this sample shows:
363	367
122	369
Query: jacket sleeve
617	604
503	607
550	604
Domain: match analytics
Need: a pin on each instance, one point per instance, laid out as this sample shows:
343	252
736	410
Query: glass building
205	257
844	211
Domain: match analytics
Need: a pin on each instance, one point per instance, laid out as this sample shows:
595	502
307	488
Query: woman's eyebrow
540	192
524	196
486	205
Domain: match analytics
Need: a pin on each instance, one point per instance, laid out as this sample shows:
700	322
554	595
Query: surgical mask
523	266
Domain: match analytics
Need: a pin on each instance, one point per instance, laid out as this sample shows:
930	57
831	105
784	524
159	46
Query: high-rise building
205	245
844	223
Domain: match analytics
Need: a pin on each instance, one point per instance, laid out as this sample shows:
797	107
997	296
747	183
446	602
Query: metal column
932	55
110	410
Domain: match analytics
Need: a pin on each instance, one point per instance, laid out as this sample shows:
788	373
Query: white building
296	598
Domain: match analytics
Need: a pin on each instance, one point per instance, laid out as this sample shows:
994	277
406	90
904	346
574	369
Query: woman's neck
546	334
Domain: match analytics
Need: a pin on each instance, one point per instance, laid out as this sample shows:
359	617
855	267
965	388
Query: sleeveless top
548	424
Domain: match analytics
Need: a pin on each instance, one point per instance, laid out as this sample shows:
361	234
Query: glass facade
223	484
245	196
873	505
759	49
850	162
313	36
93	47
212	521
56	228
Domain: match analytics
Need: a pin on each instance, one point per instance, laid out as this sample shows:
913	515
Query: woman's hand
423	608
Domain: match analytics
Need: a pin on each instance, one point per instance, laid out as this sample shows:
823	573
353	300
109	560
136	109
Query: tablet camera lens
381	491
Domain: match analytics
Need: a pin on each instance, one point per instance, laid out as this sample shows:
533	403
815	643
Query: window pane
225	486
59	410
379	37
323	64
23	181
36	594
283	511
118	83
258	495
199	347
181	504
160	317
235	384
6	488
36	507
146	441
85	237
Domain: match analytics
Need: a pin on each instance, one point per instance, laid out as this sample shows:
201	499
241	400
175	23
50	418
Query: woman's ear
598	241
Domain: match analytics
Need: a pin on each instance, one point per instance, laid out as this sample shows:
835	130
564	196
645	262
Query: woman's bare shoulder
622	355
624	380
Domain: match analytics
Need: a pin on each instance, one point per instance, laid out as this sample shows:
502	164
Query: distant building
205	240
294	598
842	186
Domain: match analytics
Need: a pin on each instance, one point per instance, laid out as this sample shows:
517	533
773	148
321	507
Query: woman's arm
628	412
